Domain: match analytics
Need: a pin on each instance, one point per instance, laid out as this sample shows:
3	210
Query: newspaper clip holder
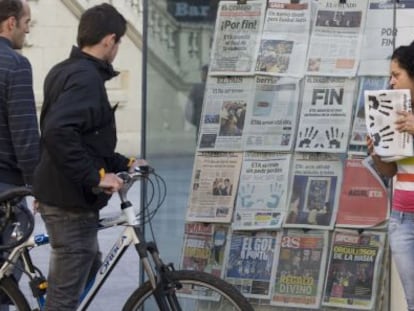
342	1
241	1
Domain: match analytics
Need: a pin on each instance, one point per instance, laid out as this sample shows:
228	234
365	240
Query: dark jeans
5	236
74	255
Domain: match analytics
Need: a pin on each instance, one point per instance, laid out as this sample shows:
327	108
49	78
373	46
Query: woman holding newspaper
401	223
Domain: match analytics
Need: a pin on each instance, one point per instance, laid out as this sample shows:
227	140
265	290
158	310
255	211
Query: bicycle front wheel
200	292
10	295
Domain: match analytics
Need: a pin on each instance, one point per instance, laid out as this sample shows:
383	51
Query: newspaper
300	269
271	120
353	269
364	199
378	40
262	195
359	128
285	38
336	38
204	247
385	181
214	186
326	114
237	37
224	112
381	108
250	262
315	191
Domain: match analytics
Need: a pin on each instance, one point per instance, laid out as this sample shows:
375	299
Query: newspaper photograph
225	104
326	113
381	107
315	191
364	201
237	37
272	119
300	269
204	247
354	266
336	36
262	195
250	262
285	38
359	128
214	186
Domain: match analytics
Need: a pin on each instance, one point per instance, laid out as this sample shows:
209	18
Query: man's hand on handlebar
110	183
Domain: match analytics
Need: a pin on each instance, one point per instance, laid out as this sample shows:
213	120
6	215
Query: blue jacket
19	133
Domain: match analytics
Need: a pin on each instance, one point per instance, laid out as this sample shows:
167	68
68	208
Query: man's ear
10	23
109	40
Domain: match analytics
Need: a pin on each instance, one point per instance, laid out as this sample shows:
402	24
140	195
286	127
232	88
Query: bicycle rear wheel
200	292
11	295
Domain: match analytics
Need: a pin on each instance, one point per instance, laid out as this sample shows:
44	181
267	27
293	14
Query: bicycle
165	288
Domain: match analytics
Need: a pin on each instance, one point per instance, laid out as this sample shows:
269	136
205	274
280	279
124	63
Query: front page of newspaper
224	112
237	37
378	39
204	247
381	107
285	38
364	199
336	38
353	269
214	186
326	114
262	195
315	191
271	120
300	269
250	262
359	128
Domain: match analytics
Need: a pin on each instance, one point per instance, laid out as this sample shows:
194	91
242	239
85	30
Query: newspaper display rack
281	171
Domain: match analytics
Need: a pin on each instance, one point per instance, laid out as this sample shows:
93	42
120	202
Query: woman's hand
405	122
370	145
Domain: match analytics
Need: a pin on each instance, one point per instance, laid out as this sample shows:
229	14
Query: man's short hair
10	8
98	22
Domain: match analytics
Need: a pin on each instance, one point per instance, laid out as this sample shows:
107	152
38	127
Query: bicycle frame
155	269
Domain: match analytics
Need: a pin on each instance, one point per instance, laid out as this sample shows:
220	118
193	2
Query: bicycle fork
164	287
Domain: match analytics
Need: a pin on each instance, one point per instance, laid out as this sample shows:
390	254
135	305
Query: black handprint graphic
307	137
381	137
378	104
334	137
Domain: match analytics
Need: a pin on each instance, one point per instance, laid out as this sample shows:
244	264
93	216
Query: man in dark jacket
78	139
19	133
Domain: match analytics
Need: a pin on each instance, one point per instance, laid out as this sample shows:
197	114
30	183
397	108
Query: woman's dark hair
10	8
404	55
98	22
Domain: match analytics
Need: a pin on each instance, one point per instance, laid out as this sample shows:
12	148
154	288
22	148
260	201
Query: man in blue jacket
19	133
78	139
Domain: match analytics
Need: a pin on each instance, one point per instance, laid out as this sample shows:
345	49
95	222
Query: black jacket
78	134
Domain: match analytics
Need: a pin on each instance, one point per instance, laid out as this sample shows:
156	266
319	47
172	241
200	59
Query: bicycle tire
11	295
234	300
